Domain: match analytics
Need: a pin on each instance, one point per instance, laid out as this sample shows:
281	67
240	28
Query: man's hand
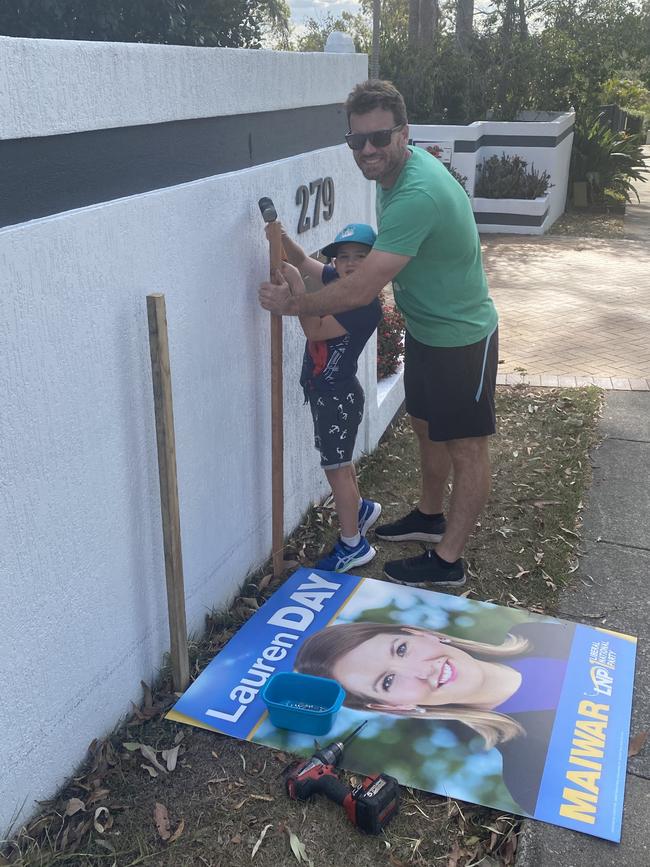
279	296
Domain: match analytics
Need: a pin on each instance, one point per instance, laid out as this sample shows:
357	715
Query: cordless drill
370	806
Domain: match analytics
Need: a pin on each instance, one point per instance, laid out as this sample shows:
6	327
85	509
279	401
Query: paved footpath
588	316
610	589
574	311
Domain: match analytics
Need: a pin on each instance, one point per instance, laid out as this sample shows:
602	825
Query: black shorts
337	415
452	388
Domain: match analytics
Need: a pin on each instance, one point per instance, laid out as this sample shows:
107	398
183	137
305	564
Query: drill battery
371	805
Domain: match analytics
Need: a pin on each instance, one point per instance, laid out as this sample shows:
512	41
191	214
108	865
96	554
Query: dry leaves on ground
298	849
637	743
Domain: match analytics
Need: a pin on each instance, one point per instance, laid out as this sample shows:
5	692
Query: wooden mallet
270	217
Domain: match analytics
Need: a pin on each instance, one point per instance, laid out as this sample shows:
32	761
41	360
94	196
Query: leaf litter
298	849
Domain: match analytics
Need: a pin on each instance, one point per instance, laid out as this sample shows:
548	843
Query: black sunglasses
378	139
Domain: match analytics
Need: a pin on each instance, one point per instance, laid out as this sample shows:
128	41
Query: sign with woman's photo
442	150
479	702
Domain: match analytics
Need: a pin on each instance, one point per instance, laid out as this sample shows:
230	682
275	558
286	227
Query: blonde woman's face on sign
404	671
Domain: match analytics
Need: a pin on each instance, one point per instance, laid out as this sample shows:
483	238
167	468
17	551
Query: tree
228	23
522	18
586	42
318	29
464	22
545	55
629	93
394	21
414	23
429	19
278	14
376	27
424	16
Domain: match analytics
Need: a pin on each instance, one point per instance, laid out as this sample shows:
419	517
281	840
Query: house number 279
322	189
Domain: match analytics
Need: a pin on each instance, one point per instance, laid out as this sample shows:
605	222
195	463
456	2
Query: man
428	245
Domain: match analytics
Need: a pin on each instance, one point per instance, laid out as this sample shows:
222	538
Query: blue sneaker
342	557
369	512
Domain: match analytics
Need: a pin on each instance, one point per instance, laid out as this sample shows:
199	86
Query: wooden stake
162	396
277	410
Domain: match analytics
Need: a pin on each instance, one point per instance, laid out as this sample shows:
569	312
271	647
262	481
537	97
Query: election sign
442	150
513	710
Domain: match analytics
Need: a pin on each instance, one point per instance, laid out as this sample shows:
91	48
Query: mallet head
269	214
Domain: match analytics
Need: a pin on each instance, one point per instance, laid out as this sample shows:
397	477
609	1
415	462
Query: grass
222	794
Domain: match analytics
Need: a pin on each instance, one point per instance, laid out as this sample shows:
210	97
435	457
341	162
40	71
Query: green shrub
390	341
608	161
462	180
506	177
630	93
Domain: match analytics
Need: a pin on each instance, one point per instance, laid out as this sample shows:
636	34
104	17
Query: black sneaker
414	527
425	569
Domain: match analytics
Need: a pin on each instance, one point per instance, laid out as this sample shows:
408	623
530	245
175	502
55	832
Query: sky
302	9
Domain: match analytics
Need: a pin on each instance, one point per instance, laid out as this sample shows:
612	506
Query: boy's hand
279	296
293	251
283	231
292	276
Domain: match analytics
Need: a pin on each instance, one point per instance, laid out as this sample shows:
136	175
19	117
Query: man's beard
384	167
375	170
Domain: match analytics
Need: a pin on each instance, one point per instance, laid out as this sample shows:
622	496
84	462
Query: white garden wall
91	223
543	139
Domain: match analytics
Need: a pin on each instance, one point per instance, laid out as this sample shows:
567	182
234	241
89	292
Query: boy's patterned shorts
337	415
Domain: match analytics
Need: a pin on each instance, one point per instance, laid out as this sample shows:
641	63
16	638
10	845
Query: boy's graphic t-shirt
327	363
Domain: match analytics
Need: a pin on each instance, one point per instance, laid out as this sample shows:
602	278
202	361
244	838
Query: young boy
334	344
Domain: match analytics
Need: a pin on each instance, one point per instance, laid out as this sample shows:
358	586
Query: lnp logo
601	679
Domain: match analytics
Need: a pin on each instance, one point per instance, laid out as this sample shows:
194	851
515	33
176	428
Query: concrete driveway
574	311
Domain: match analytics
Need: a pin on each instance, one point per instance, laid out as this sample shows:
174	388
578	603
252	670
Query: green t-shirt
442	291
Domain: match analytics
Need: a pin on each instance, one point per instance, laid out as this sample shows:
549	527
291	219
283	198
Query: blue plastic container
302	702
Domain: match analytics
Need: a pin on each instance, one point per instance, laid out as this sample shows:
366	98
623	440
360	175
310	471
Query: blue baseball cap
354	233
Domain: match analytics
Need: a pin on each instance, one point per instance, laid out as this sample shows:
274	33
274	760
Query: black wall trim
52	174
510	219
509	141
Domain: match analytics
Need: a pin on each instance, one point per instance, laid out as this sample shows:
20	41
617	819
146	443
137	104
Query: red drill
370	806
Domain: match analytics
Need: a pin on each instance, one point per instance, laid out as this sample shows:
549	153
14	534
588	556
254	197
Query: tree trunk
429	15
464	22
523	23
508	20
414	23
509	16
376	24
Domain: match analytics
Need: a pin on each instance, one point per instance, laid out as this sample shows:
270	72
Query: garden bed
590	223
514	216
542	139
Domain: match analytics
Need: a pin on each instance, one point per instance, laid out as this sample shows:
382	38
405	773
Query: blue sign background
601	812
325	590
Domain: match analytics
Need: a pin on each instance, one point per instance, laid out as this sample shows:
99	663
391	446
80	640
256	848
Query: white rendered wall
49	87
82	576
554	160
